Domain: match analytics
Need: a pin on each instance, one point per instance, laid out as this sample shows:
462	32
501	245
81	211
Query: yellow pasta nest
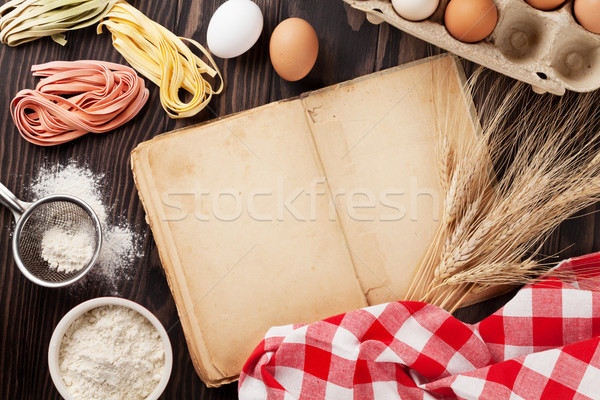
163	58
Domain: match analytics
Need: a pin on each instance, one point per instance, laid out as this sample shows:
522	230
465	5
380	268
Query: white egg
415	10
234	28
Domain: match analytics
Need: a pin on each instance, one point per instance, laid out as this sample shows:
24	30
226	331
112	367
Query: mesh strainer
34	220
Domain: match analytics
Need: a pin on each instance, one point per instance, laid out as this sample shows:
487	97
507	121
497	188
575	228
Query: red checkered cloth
543	344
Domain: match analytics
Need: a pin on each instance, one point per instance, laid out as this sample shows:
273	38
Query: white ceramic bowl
67	320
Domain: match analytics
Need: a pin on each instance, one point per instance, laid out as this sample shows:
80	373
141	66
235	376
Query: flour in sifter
121	244
66	251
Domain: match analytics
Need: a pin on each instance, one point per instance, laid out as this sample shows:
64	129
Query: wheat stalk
495	273
445	163
546	166
462	253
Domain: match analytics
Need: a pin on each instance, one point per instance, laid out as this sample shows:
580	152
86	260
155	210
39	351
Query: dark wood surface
349	47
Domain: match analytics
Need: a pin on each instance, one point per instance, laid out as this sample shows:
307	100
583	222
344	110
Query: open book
297	210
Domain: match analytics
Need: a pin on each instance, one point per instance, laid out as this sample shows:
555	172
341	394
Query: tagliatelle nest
75	98
155	52
23	21
164	58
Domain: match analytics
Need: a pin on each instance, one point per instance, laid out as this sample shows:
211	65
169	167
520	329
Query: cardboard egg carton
547	49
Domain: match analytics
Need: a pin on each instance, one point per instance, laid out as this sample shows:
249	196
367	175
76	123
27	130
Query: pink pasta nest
75	98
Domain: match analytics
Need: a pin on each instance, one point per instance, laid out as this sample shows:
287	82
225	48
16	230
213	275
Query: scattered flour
67	252
111	353
73	180
121	245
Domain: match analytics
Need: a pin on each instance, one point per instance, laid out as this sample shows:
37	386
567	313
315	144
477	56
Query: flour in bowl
111	353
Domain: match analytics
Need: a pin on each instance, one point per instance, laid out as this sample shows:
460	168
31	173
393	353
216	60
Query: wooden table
349	47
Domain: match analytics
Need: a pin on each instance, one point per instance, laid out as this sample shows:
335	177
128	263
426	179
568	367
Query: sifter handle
8	199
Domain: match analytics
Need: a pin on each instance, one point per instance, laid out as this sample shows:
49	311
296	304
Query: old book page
297	210
243	243
376	139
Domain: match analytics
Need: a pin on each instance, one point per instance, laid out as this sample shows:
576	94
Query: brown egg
471	20
545	4
587	13
294	48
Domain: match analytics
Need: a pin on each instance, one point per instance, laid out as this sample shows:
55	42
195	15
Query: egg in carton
547	49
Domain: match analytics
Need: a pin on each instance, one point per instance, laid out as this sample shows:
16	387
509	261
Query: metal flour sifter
33	220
